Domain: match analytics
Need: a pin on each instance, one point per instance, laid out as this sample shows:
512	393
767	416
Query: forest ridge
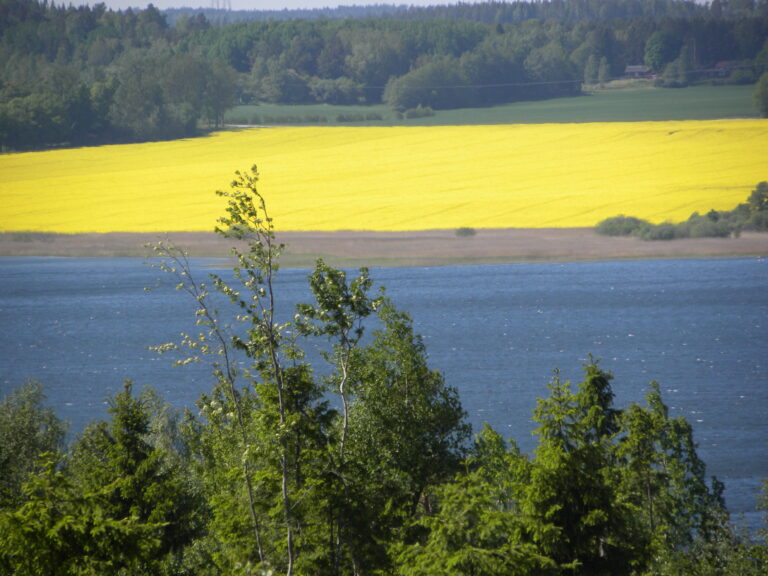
84	75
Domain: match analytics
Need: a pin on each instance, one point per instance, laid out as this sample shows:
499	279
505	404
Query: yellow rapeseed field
401	178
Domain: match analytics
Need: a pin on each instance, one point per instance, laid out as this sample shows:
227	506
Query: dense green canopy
75	75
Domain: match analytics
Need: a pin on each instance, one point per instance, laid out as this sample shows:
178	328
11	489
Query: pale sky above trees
262	4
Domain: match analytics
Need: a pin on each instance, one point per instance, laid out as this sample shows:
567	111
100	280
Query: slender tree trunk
188	284
344	364
280	383
649	495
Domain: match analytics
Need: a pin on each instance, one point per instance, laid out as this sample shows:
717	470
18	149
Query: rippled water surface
699	327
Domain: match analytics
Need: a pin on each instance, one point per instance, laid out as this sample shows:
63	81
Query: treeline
751	215
83	75
449	61
488	12
223	16
74	75
362	466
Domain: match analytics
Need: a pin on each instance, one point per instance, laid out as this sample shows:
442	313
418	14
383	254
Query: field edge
387	249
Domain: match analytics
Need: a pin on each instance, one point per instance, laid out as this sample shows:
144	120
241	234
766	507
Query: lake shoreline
412	248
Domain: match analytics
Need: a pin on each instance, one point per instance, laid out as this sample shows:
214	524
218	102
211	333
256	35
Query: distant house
637	71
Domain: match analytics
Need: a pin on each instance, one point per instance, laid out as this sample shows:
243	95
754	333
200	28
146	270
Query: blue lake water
699	327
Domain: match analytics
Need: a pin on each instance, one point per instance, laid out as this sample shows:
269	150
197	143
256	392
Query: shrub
465	232
350	118
419	112
758	221
285	119
742	76
710	226
664	231
760	95
339	91
622	226
358	117
751	215
33	237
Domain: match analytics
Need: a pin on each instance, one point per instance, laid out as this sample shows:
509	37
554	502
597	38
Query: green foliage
62	530
607	492
664	231
164	96
711	225
436	84
359	467
116	504
81	75
761	95
400	398
27	429
660	49
603	71
752	215
591	70
676	73
336	91
478	525
370	116
465	232
338	315
294	485
579	520
488	74
640	103
622	226
418	112
665	481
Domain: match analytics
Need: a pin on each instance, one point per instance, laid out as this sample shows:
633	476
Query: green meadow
617	102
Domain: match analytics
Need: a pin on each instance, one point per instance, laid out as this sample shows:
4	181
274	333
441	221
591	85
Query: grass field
637	101
419	178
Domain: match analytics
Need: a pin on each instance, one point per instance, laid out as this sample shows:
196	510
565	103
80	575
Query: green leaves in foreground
114	504
606	492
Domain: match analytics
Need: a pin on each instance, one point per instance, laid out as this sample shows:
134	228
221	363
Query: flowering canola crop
394	178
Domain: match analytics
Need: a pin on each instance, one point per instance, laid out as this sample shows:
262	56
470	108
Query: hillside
81	75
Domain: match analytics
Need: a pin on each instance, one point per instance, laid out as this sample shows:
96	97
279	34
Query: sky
258	4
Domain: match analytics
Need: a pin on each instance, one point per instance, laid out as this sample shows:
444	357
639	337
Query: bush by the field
710	226
757	222
663	231
751	215
359	117
622	226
